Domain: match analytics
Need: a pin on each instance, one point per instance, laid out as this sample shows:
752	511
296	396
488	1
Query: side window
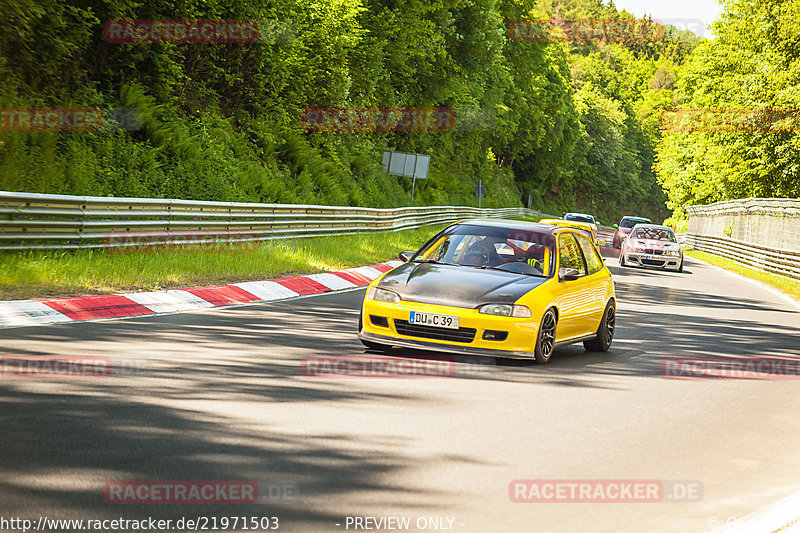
593	259
569	255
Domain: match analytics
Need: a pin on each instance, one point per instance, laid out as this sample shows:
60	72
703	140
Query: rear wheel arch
605	330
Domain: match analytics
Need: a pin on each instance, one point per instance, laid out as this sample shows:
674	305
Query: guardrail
775	261
773	222
47	221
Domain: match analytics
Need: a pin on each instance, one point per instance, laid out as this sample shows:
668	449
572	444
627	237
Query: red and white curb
36	312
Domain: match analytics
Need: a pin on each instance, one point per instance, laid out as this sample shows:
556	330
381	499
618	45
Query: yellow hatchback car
571	224
494	287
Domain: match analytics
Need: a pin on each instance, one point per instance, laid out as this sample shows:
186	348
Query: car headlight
673	253
382	295
519	311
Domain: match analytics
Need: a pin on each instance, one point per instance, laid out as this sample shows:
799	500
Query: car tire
369	344
546	338
605	331
680	268
622	260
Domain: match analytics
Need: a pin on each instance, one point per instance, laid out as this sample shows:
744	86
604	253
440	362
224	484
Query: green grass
787	285
39	274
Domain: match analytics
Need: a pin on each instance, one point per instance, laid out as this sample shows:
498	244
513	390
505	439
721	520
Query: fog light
379	321
491	335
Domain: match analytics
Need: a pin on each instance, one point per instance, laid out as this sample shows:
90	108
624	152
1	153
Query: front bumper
438	347
517	339
662	262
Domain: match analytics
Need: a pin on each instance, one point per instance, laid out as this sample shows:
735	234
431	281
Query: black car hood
457	286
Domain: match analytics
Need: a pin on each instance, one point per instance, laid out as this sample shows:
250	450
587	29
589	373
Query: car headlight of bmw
518	311
383	295
673	253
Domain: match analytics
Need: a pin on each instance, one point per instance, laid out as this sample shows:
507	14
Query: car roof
631	217
654	226
579	215
566	223
514	224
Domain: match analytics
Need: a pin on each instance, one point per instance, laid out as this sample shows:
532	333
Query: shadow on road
150	426
59	437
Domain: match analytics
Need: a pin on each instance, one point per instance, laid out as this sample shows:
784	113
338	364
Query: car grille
652	262
653	251
429	332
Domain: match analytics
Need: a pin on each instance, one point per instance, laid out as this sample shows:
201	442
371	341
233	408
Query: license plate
433	319
651	257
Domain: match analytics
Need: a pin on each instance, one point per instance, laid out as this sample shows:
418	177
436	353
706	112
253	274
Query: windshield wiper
500	267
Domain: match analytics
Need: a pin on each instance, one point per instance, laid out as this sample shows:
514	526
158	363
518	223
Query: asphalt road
219	395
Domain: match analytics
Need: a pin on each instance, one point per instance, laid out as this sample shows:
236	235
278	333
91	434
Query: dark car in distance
625	226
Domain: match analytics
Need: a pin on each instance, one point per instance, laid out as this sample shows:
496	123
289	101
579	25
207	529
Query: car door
573	297
597	277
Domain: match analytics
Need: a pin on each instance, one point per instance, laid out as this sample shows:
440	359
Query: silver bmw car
649	245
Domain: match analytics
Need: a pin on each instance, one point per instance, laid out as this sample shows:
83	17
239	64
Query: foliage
572	125
753	64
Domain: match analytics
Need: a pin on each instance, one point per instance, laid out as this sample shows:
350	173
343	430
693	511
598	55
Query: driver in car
535	257
482	253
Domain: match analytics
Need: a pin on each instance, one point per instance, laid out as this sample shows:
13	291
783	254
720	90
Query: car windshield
631	222
655	234
521	251
579	218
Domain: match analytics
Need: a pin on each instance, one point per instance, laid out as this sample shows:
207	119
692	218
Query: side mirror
405	257
568	274
600	243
